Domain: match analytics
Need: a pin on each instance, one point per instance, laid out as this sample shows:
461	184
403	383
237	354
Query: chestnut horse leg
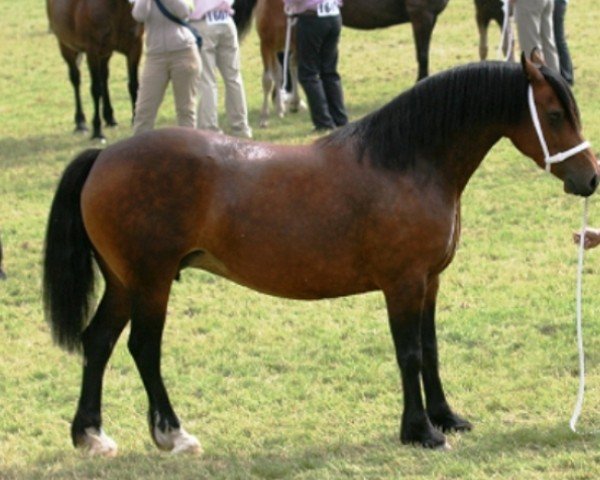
422	23
268	84
72	58
98	341
147	324
438	410
405	305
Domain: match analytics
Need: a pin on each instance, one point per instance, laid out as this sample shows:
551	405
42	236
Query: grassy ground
283	389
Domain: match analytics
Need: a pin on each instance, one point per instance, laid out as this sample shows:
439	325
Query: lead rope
290	22
506	37
581	390
549	160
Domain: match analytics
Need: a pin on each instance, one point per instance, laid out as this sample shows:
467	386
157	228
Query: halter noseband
557	157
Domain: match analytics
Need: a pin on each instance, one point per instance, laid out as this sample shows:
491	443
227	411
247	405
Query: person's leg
309	31
547	36
332	84
527	18
185	69
153	85
208	118
228	62
564	56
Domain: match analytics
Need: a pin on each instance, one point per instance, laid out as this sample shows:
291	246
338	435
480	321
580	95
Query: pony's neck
462	158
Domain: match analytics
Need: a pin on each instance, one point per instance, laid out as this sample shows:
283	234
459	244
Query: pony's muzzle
581	187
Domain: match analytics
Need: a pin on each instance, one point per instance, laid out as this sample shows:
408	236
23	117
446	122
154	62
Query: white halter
557	157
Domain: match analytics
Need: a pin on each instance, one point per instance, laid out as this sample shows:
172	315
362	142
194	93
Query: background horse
271	23
370	14
373	206
96	28
485	12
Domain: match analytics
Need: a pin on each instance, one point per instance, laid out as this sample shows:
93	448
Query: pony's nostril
594	182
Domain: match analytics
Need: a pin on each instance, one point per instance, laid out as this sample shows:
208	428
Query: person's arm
180	8
591	238
141	10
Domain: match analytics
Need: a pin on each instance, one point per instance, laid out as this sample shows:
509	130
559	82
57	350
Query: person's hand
591	238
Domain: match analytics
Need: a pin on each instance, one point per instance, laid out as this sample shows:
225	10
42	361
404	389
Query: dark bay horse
373	206
96	28
371	14
485	12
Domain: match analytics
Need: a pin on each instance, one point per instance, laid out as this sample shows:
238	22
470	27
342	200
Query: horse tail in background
243	13
68	282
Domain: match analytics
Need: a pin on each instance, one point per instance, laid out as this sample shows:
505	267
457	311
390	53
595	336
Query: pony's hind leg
147	324
438	410
98	340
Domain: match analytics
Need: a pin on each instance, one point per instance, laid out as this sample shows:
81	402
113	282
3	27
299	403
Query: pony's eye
555	118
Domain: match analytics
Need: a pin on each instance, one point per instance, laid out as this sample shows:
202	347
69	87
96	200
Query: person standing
171	56
564	57
535	29
220	50
317	37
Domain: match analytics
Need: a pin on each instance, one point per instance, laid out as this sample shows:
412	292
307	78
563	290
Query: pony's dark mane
244	10
427	116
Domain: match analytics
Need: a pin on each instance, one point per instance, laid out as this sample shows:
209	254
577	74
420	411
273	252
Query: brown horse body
96	28
373	206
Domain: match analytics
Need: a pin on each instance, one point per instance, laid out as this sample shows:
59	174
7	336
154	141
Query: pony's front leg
405	311
147	324
98	341
438	410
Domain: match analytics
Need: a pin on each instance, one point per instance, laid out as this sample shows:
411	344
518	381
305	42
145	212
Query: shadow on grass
28	150
350	460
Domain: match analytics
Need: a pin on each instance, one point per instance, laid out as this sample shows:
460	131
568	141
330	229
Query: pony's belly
283	280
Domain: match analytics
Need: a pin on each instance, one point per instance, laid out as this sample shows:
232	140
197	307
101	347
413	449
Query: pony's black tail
68	260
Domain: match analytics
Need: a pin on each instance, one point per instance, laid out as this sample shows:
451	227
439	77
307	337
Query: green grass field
310	390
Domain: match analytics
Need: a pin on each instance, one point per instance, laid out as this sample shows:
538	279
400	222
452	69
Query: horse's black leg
99	339
72	59
147	323
422	22
94	64
438	410
107	109
405	323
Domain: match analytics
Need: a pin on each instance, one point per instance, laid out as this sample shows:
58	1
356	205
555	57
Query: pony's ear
537	57
530	69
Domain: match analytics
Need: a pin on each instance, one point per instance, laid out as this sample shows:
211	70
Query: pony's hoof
446	447
299	107
97	443
80	129
177	441
100	139
186	443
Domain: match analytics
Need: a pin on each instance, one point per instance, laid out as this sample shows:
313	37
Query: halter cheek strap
557	157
